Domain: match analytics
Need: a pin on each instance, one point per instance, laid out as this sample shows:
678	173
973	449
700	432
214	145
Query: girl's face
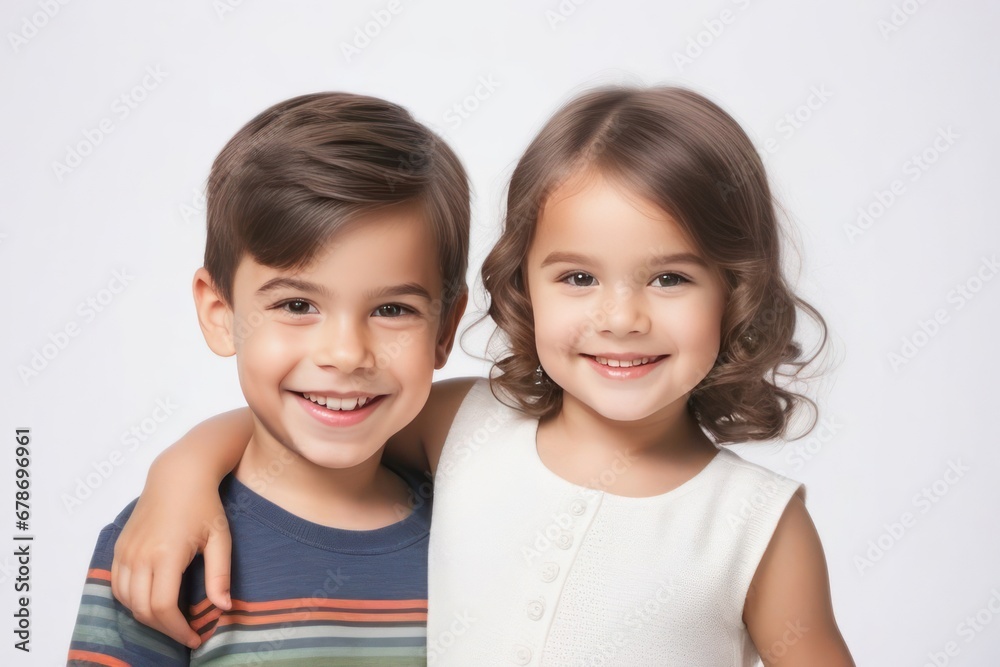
627	314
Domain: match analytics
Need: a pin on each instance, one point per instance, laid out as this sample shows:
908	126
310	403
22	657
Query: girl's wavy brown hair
682	152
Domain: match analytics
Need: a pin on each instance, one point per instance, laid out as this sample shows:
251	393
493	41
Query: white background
131	205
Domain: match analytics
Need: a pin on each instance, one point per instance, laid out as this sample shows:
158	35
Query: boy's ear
446	336
214	316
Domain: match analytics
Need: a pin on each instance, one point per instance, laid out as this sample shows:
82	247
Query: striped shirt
303	594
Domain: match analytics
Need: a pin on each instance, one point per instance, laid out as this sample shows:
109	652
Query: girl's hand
178	515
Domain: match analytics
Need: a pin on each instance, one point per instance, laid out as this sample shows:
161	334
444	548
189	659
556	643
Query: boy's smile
335	358
340	410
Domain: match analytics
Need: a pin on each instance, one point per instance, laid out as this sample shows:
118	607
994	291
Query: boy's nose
342	344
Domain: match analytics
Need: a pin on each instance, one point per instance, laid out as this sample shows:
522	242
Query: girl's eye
670	280
392	310
580	279
296	307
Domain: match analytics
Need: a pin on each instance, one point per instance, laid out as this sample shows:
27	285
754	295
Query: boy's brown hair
302	170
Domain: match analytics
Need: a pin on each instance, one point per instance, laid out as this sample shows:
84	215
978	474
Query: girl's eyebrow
679	258
283	282
657	260
566	258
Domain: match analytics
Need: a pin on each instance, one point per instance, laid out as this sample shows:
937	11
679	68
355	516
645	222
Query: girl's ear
214	315
446	335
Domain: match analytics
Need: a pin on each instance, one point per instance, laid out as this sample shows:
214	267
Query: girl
584	513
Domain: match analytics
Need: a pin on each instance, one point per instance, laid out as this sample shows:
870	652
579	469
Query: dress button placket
522	655
553	570
565	540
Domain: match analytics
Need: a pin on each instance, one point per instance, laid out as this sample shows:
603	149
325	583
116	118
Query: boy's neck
364	497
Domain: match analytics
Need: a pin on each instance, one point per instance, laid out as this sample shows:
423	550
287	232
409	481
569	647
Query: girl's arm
179	514
788	609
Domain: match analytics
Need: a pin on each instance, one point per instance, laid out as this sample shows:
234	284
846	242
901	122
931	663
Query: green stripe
329	657
229	634
103	626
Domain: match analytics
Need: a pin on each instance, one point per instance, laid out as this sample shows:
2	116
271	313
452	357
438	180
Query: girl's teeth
615	363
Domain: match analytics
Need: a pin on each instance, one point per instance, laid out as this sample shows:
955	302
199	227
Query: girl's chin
625	408
622	413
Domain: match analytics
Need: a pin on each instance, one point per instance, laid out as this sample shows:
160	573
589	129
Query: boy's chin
338	456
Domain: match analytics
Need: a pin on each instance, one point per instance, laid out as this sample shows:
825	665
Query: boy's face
336	358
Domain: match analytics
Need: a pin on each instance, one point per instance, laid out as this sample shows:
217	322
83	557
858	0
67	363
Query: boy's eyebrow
405	289
293	284
675	258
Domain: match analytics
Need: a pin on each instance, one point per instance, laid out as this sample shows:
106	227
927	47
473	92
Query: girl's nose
629	313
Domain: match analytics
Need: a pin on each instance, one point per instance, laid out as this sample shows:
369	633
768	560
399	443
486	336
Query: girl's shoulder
436	418
755	474
751	492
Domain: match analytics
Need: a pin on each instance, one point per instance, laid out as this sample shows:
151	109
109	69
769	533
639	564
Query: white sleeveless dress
527	568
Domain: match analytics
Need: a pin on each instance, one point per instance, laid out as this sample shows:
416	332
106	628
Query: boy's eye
296	307
392	310
669	280
580	279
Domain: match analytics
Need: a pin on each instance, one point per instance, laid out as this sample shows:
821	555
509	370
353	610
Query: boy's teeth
331	403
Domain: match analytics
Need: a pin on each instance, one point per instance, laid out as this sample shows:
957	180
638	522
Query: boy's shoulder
123	516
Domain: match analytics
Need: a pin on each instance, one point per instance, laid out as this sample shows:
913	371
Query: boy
334	271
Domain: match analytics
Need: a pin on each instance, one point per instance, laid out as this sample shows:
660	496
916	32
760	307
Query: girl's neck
670	432
640	458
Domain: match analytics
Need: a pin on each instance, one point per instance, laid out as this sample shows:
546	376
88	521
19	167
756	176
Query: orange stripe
228	619
200	607
97	658
99	574
198	624
325	603
314	603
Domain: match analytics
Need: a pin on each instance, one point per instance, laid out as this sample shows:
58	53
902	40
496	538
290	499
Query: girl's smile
625	367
